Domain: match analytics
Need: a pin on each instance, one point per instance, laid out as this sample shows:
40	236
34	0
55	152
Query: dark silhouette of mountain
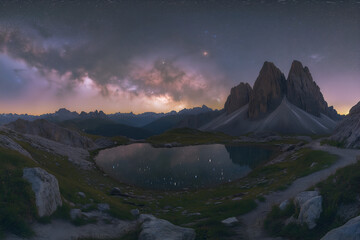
107	128
268	92
61	115
165	123
135	120
173	121
131	119
239	97
198	120
95	114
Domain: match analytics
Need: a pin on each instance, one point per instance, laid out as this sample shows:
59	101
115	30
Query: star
205	53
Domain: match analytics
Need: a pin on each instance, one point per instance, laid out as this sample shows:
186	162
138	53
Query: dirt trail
253	221
64	230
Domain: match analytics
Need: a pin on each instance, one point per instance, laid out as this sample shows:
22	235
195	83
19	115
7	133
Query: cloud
115	69
316	58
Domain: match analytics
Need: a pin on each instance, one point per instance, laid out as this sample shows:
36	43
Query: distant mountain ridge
131	119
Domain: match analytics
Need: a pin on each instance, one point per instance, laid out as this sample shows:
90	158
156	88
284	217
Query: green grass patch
17	201
284	173
333	143
342	188
73	180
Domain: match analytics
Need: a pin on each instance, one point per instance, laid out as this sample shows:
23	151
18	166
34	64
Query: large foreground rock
159	229
349	231
46	189
310	204
310	211
303	197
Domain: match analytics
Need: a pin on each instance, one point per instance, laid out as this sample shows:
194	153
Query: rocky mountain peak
239	97
303	92
268	92
348	130
355	109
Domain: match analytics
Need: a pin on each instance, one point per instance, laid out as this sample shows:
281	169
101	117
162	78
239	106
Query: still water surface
198	166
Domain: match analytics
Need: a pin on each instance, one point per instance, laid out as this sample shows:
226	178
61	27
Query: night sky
122	56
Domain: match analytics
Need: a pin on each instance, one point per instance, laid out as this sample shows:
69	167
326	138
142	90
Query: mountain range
275	104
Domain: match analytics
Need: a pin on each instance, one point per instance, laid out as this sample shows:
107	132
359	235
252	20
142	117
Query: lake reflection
182	167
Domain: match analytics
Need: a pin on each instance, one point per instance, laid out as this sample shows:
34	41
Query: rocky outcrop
349	231
310	204
303	197
310	211
268	92
96	114
303	92
239	96
46	189
52	131
8	143
348	130
158	229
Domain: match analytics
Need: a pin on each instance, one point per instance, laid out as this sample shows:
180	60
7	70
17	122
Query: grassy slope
214	204
164	123
17	202
342	188
261	181
106	128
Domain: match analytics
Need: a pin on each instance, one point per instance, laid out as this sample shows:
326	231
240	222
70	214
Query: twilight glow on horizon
139	56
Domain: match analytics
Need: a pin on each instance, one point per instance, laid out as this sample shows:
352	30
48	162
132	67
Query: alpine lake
180	168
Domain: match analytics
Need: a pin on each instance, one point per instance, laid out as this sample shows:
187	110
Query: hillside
107	128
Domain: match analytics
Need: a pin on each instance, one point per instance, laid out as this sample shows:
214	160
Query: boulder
283	205
310	211
115	191
135	212
158	229
103	207
75	213
303	197
349	231
239	97
230	221
46	189
81	194
268	92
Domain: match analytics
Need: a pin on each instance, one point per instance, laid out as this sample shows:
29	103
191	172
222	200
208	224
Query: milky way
163	55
